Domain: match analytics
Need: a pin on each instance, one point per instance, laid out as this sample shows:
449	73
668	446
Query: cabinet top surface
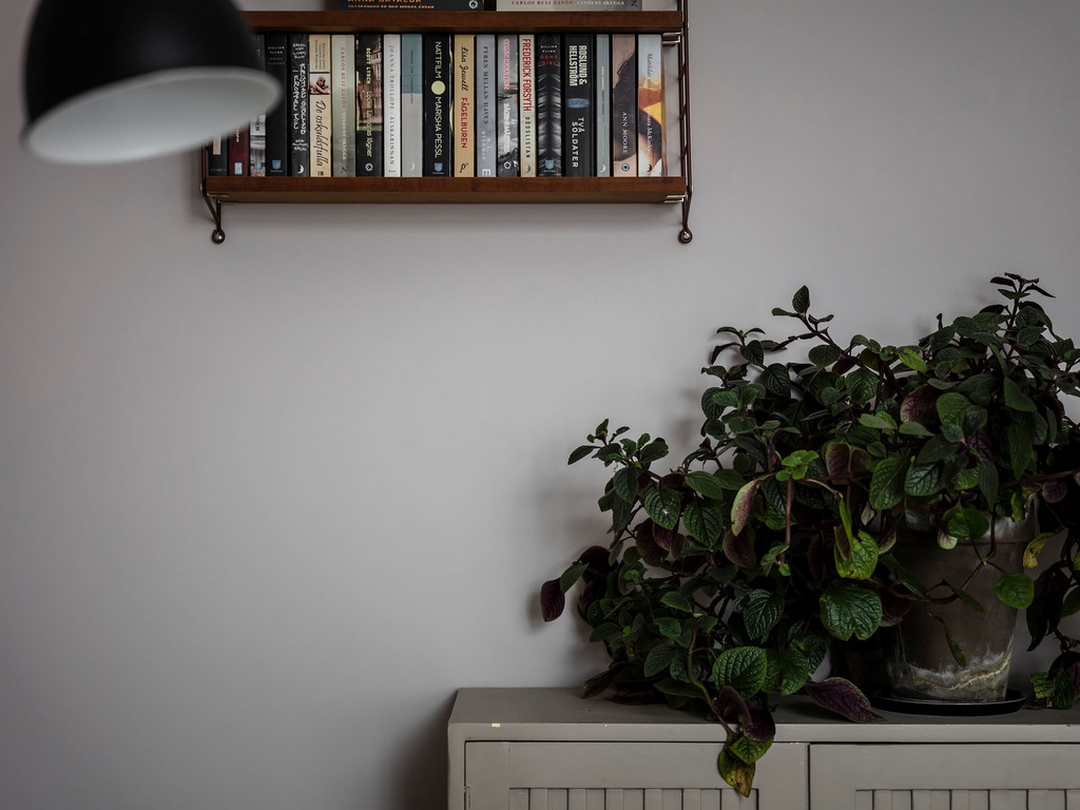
539	714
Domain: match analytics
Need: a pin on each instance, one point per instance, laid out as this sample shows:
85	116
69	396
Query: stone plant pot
919	660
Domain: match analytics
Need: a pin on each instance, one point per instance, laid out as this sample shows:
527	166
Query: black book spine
579	150
299	141
549	105
437	103
217	157
369	105
277	119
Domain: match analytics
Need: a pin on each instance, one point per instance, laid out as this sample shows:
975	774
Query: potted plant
728	576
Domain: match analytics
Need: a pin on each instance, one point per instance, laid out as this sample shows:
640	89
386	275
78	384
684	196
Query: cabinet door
972	776
625	776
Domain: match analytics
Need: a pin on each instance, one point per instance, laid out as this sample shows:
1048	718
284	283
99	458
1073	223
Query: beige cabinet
542	749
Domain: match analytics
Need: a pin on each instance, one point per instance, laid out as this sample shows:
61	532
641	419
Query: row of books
455	105
487	5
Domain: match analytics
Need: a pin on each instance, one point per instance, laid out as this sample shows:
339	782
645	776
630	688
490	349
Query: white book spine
603	105
485	105
319	107
412	105
392	105
527	117
343	104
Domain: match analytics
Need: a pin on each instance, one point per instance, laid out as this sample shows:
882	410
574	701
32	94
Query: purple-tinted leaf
731	706
841	696
598	684
1054	491
758	724
919	406
663	537
552	600
651	553
743	505
634	694
740	549
981	444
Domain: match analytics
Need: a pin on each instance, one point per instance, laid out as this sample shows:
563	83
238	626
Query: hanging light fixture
107	81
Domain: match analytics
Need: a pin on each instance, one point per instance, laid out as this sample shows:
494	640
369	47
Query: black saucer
1014	700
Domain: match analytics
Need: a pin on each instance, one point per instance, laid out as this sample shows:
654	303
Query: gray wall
265	506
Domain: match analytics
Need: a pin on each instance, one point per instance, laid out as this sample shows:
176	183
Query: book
527	96
257	128
409	5
568	5
239	152
369	105
277	120
624	107
438	151
320	128
217	157
650	106
412	105
464	116
602	100
299	116
343	104
549	105
486	145
578	112
392	105
507	104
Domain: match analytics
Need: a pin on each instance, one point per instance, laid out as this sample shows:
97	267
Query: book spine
486	78
437	106
409	5
412	105
549	105
217	157
527	115
343	104
321	125
277	119
578	113
566	5
239	152
392	105
257	130
508	106
650	106
624	109
464	116
299	116
602	85
369	105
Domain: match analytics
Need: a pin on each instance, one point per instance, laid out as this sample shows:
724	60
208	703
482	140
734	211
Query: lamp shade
113	80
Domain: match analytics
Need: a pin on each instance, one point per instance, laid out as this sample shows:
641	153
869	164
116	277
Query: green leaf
735	772
571	575
887	483
729	479
794	670
761	610
743	505
653	451
967	522
988	481
863	557
753	353
625	483
937	449
1017	399
847	609
951	407
824	356
663	506
676	601
705	484
912	358
742	668
659	659
800	302
1015	590
923	480
580	453
704	522
669	626
863	385
776	381
914	429
954	647
877	421
749	751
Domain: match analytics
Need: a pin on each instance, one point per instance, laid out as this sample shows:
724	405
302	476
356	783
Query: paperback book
321	120
369	105
412	105
239	152
624	106
568	5
650	106
257	128
392	105
217	157
464	118
438	151
486	156
578	114
549	103
408	5
602	100
299	143
527	95
508	145
343	104
277	119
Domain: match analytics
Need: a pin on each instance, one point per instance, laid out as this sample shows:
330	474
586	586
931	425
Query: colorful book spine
392	105
321	127
277	119
527	114
650	106
369	105
412	105
438	146
602	100
578	114
624	106
567	5
217	157
257	129
299	115
486	78
549	131
508	106
343	104
464	115
239	152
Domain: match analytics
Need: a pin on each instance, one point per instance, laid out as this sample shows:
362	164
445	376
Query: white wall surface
265	506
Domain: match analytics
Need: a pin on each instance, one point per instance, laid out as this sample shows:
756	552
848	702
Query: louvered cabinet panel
624	776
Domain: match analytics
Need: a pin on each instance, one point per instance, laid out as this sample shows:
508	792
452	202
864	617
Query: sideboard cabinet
542	749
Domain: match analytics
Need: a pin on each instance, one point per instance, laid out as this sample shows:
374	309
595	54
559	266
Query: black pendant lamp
114	80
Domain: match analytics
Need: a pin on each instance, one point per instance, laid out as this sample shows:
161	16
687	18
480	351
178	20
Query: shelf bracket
686	236
214	204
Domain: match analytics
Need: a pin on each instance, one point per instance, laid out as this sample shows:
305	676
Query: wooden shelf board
328	22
